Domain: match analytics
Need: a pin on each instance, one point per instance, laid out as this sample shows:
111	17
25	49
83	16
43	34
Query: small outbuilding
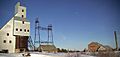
47	48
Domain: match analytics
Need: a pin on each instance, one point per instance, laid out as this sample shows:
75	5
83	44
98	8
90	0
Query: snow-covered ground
37	54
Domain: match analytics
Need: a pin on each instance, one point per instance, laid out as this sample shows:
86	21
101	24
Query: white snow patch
38	54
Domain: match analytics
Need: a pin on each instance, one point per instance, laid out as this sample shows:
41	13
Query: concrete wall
18	10
18	24
24	27
7	29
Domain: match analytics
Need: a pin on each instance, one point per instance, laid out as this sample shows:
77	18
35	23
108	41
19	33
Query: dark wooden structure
21	43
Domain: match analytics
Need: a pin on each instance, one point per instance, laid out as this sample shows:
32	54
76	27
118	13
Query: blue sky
76	23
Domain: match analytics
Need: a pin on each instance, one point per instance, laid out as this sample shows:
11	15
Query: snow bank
38	54
47	55
86	56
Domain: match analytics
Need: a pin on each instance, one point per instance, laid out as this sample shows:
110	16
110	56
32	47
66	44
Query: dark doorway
22	43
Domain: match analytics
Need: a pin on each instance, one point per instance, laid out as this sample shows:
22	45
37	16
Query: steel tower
38	29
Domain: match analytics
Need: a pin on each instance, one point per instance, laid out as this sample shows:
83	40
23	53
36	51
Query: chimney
115	35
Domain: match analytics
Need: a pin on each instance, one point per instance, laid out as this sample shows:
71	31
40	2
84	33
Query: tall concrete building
15	33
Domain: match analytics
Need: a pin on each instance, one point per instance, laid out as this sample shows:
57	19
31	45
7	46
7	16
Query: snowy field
78	54
75	54
37	54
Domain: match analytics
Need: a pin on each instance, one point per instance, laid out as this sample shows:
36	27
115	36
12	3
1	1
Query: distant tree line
66	50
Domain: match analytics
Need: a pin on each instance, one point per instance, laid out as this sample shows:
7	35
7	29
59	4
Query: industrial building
95	47
105	48
15	33
47	48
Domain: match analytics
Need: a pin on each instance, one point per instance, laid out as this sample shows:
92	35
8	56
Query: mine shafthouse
15	34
